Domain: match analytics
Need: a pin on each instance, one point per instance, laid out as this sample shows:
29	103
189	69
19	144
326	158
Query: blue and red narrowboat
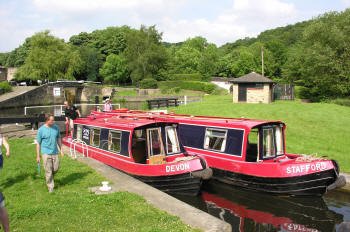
250	154
146	149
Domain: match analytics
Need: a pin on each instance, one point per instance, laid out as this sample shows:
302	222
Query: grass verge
312	128
72	207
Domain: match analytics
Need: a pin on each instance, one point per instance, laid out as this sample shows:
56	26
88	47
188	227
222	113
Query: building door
242	93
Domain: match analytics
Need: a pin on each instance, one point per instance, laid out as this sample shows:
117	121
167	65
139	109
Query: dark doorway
242	93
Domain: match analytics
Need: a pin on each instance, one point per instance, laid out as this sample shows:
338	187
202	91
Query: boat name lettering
297	227
306	167
177	167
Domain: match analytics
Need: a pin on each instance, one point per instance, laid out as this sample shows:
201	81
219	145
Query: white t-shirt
1	140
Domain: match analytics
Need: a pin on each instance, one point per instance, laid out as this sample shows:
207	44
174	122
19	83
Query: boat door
156	153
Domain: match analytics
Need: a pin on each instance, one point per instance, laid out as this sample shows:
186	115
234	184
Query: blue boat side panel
234	142
86	135
192	136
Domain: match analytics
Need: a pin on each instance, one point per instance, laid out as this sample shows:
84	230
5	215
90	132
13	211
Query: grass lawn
72	207
313	128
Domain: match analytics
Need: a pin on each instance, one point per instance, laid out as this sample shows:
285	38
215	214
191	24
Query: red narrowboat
250	154
146	149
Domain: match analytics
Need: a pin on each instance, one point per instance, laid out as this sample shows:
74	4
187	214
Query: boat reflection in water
249	211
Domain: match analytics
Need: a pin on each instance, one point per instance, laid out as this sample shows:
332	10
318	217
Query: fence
283	92
58	110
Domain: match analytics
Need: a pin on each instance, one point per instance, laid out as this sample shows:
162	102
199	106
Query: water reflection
249	211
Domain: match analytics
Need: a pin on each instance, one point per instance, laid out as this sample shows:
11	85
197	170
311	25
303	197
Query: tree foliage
144	53
49	58
114	70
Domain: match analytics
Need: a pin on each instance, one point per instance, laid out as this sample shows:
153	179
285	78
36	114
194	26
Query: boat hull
184	184
304	185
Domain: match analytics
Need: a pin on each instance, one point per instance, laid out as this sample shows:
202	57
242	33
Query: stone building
7	73
252	88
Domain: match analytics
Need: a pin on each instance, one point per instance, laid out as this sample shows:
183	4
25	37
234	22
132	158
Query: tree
49	58
114	70
91	63
145	55
208	63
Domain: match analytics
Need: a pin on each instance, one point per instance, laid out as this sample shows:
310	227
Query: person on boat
107	107
71	112
4	219
48	145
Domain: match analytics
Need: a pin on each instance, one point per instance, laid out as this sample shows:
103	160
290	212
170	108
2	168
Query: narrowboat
146	149
250	154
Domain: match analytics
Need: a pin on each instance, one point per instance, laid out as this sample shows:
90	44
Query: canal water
250	211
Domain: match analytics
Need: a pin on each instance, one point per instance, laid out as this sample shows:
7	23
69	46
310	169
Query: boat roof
190	119
114	122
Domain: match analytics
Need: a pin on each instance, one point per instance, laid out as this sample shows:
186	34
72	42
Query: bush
186	77
189	85
148	83
5	87
341	101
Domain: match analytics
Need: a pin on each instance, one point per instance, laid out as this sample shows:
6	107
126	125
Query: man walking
48	145
71	113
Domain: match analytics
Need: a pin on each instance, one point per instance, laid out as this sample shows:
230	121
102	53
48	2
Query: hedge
189	85
148	83
186	77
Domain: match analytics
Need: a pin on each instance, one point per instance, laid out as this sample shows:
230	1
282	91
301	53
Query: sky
220	21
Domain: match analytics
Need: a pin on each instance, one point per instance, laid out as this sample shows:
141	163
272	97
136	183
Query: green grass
128	92
72	207
313	128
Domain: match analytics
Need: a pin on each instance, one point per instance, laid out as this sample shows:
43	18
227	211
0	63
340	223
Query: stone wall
11	73
44	95
259	95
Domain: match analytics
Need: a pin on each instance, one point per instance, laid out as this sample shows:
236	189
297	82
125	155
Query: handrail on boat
84	146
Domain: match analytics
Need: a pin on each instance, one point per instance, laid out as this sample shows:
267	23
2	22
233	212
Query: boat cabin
143	141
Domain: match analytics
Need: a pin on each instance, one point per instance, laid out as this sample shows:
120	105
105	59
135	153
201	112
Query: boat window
273	144
155	146
215	139
252	146
95	137
114	141
172	141
79	132
269	143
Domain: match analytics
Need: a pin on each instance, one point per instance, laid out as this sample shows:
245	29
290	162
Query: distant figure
107	107
48	145
4	219
71	112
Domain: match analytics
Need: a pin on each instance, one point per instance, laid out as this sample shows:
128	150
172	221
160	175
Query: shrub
5	87
148	83
341	101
